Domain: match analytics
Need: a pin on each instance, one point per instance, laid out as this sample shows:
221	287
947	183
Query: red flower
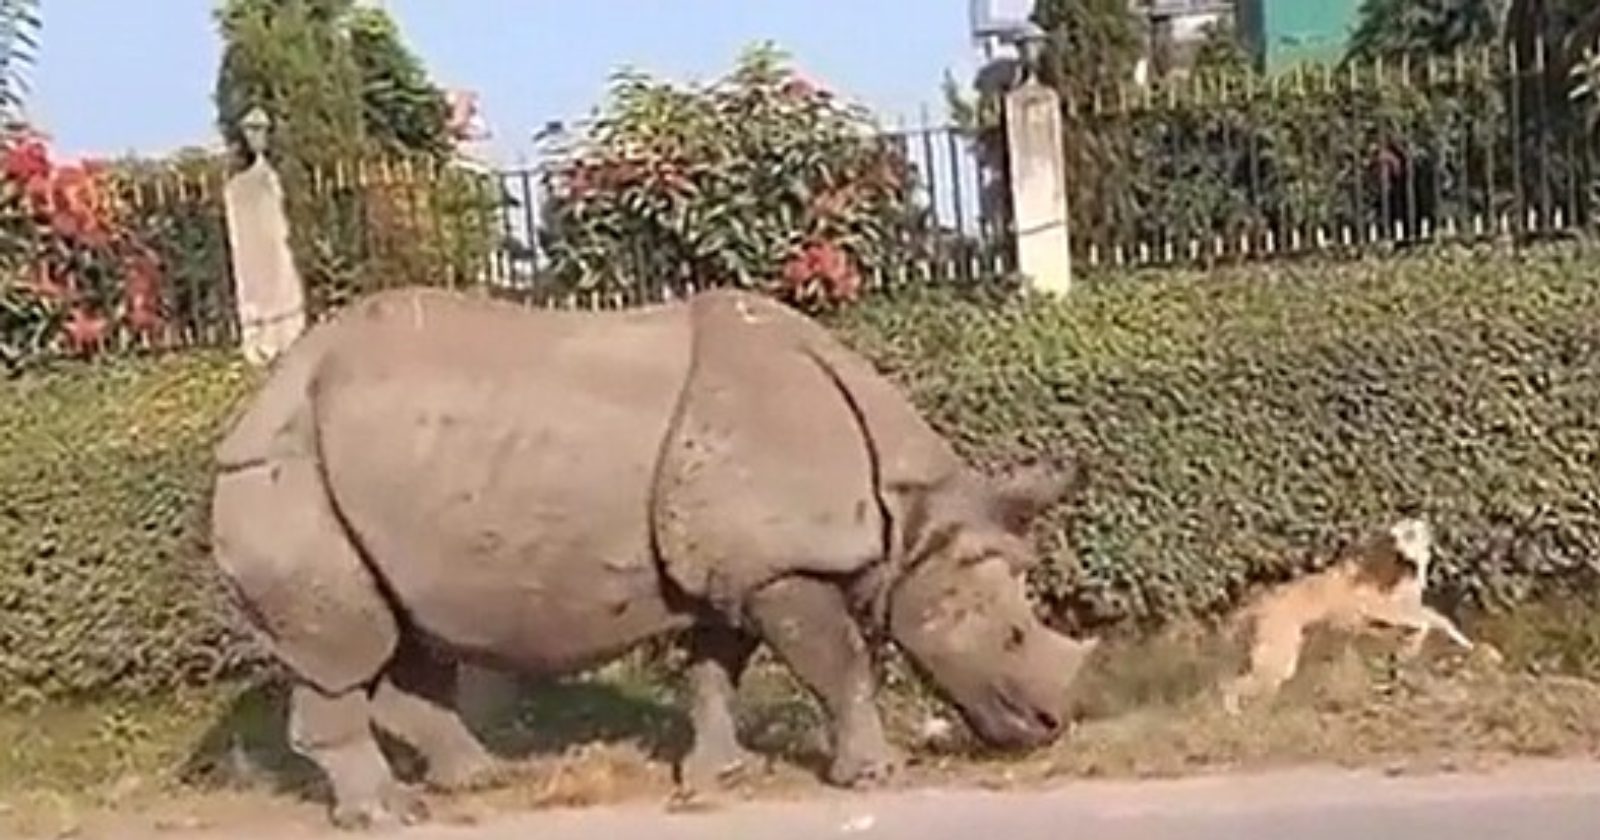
821	261
798	88
84	330
26	161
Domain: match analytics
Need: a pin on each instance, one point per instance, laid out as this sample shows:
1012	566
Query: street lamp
1008	22
254	126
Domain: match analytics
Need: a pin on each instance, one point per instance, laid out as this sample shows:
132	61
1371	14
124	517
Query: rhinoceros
432	478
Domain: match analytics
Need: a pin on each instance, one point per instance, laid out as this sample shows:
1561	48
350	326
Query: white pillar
1038	187
268	293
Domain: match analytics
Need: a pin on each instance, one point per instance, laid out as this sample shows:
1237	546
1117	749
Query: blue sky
136	75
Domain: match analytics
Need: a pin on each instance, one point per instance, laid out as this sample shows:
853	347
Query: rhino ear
1028	490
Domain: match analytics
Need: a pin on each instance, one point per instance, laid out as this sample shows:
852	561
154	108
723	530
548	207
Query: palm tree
20	23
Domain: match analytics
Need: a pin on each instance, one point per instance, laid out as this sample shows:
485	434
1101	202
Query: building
1177	27
1281	34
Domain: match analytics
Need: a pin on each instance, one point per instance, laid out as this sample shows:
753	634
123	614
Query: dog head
1398	554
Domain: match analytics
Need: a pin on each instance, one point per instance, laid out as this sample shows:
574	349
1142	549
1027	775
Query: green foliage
292	58
1221	53
1239	421
105	584
20	23
362	143
1418	29
175	210
758	180
1091	44
404	111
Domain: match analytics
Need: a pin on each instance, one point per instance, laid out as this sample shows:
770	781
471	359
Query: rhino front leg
809	625
717	659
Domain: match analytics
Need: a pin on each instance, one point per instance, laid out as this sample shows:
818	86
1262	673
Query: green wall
1283	33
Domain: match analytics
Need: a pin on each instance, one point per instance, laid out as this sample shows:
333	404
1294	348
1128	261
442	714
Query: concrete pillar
1038	186
267	288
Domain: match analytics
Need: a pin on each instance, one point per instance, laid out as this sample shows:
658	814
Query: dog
1378	582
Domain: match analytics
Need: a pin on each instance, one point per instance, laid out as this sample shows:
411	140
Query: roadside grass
1147	710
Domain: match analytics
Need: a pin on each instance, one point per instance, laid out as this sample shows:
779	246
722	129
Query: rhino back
495	465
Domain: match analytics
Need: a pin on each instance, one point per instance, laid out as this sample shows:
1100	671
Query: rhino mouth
1012	724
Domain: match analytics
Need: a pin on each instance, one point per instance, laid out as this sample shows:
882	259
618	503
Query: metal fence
138	255
955	198
1350	158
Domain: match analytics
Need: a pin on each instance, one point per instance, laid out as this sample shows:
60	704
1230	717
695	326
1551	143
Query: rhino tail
276	419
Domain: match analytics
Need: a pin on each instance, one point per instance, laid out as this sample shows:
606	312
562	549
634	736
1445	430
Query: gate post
1038	186
267	288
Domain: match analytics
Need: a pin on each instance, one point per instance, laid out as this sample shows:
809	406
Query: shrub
72	274
1240	423
1243	422
104	579
760	180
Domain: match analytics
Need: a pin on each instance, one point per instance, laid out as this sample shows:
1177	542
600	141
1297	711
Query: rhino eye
1015	638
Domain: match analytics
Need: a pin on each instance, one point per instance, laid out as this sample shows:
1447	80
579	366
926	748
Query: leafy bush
759	180
72	274
1244	422
1240	423
105	584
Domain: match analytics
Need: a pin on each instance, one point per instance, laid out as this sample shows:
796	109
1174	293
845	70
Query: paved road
1557	801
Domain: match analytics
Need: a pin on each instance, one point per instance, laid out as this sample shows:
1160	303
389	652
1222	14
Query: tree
1091	46
1418	29
20	23
293	59
402	109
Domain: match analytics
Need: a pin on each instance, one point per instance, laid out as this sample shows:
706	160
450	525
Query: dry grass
1148	710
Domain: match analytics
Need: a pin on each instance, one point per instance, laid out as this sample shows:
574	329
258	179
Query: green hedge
1237	420
104	472
1241	420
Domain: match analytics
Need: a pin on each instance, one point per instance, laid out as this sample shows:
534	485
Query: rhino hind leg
808	623
416	702
304	587
718	656
335	733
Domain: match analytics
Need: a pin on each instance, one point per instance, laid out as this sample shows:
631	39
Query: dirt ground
209	761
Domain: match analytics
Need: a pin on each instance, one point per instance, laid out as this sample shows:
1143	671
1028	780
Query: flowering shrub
71	277
760	180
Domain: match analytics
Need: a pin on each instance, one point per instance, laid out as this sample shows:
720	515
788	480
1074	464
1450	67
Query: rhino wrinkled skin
433	478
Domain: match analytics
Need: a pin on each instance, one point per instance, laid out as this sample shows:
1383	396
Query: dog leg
1274	658
1420	619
